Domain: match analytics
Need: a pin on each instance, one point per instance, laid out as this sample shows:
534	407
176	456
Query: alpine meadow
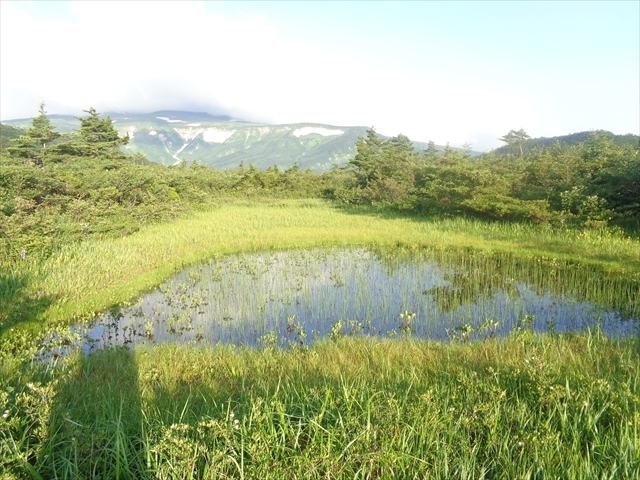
406	313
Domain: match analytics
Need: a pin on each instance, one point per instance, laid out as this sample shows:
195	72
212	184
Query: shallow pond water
291	298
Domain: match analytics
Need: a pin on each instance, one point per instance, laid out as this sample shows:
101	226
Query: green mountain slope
167	137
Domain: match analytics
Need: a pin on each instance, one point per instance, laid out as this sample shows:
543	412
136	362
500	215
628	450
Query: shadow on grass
385	213
19	306
96	422
630	227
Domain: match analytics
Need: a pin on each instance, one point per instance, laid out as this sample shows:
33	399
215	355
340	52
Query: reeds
529	406
292	298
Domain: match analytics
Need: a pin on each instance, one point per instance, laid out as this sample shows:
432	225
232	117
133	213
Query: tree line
594	183
58	188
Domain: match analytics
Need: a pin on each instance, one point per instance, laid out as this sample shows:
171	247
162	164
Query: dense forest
58	188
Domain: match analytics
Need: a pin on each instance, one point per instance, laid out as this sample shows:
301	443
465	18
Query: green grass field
528	406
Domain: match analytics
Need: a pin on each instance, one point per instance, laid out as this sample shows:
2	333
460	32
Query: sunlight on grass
85	278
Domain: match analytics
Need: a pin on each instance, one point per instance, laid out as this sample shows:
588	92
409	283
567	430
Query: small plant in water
527	322
488	328
338	280
298	329
291	324
551	327
148	329
525	326
406	318
460	333
270	340
336	331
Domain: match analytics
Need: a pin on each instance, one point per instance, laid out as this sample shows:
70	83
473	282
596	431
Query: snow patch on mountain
216	135
153	133
167	119
165	141
188	134
262	131
325	132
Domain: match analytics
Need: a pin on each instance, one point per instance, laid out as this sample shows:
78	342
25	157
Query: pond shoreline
293	298
83	279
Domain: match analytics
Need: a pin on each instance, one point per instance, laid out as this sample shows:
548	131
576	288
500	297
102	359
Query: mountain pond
291	298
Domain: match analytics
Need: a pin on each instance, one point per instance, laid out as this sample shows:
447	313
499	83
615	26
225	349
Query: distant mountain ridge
572	139
169	136
221	142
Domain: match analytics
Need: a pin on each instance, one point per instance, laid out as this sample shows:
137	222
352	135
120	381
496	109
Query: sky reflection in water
292	298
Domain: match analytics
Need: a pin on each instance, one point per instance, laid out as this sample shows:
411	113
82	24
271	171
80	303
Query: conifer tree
33	144
431	151
402	143
98	136
516	138
365	162
41	131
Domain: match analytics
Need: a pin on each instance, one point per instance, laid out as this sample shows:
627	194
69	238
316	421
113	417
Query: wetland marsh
292	298
388	379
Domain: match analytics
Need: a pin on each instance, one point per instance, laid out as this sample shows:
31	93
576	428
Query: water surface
292	298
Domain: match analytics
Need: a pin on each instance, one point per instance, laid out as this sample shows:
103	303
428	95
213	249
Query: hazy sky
444	71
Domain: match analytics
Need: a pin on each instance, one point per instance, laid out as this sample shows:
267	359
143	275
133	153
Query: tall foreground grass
84	278
529	406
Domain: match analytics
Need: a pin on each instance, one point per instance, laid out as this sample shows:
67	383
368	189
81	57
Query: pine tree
516	138
365	162
41	131
431	151
33	144
97	135
402	143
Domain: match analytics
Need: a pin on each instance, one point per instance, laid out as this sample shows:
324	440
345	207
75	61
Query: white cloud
150	56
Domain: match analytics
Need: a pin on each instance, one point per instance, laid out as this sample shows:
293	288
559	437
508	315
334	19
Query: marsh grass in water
292	298
528	406
79	280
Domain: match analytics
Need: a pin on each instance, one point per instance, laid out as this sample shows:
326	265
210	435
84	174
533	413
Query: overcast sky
458	72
